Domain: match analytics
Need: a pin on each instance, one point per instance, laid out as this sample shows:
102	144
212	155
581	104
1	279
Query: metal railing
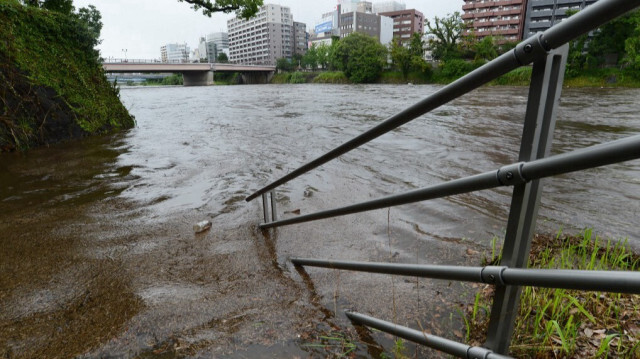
548	53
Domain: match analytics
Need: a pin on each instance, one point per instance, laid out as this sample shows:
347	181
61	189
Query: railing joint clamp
511	175
531	49
493	275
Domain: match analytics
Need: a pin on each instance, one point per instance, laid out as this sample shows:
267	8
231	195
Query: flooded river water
99	258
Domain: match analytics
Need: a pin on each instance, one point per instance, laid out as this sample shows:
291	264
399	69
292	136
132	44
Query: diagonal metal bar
604	281
595	156
432	341
525	53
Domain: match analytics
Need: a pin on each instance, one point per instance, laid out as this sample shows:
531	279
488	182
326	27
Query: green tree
360	57
61	6
632	50
310	58
610	39
416	45
92	19
322	54
284	64
485	49
243	8
447	32
401	58
222	58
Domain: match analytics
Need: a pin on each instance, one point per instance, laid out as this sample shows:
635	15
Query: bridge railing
111	60
547	52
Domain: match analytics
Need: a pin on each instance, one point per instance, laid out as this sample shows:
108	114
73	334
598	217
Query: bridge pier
255	78
193	78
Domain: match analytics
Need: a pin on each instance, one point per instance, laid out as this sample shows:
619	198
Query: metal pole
544	93
265	207
444	345
464	185
526	52
274	215
603	281
514	174
467	274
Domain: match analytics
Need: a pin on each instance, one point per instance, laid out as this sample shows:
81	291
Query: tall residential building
542	14
503	19
300	38
175	53
264	38
388	6
405	23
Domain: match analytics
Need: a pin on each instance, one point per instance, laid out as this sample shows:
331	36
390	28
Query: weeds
335	343
568	323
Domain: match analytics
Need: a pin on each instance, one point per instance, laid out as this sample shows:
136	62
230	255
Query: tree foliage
360	57
485	49
222	58
243	8
447	32
284	64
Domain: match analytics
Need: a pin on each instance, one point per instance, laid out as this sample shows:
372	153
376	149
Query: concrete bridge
194	74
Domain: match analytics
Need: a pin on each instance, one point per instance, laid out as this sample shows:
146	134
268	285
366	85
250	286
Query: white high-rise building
388	6
175	53
264	38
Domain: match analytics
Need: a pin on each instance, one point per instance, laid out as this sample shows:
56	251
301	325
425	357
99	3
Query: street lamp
125	54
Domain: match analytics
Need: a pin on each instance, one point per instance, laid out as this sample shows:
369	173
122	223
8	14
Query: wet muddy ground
99	258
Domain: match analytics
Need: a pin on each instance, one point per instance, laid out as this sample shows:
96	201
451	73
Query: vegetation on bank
609	58
554	323
52	86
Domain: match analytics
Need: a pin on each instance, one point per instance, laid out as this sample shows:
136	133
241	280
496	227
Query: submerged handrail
548	52
525	53
590	157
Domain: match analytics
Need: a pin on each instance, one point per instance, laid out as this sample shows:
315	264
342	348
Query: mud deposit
99	258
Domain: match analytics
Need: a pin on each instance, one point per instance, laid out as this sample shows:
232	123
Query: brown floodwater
99	258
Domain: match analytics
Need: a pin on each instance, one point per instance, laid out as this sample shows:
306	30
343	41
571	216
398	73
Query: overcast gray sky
142	26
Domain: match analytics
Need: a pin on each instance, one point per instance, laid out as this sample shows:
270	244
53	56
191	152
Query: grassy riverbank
611	77
556	323
52	86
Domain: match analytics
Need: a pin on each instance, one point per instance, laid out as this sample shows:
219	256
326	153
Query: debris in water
201	226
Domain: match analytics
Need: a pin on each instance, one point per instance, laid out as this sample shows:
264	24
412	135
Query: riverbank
567	323
610	77
52	87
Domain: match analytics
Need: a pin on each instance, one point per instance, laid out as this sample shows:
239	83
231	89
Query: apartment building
542	14
300	38
503	19
264	38
380	27
405	24
173	53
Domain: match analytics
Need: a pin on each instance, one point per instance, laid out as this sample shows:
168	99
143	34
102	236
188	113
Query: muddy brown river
99	258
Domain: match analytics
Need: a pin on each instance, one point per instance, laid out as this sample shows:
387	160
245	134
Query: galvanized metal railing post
274	215
265	207
539	124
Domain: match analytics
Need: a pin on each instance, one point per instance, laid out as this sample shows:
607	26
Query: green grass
47	51
396	77
334	344
337	77
610	77
568	323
